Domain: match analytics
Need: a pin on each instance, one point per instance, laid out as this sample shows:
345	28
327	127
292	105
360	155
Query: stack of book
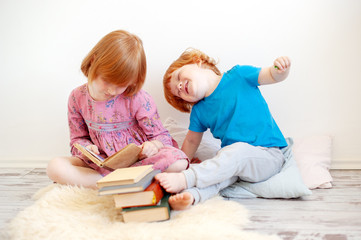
136	193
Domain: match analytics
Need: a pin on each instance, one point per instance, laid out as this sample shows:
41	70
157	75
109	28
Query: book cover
139	186
121	159
150	196
123	176
159	212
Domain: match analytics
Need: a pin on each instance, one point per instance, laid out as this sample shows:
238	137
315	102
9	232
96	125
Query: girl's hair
189	56
119	59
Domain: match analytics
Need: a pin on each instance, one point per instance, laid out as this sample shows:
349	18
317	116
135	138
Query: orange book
150	196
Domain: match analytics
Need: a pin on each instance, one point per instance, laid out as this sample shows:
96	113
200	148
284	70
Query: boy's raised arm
276	73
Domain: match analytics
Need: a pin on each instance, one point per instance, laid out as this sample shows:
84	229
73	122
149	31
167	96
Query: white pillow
206	150
285	184
313	157
312	154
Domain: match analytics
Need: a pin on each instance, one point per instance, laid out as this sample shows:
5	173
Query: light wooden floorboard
17	186
328	214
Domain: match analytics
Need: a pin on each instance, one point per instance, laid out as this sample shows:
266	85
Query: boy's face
189	83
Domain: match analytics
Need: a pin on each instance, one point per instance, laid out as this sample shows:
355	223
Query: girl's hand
93	148
282	64
150	148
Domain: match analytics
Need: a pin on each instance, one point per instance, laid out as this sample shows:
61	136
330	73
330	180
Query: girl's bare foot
181	201
172	182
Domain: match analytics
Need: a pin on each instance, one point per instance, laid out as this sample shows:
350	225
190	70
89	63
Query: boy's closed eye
174	84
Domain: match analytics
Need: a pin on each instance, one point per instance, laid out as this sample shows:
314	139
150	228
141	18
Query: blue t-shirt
237	112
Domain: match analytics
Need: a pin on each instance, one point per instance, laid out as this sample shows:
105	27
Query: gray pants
237	161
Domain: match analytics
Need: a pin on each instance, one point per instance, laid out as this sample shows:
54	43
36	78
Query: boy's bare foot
172	182
181	201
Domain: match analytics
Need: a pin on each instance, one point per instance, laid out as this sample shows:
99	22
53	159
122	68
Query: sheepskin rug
65	212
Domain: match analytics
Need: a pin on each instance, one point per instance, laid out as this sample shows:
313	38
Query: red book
150	196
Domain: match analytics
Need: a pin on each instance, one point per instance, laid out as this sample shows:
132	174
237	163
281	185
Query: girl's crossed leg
72	171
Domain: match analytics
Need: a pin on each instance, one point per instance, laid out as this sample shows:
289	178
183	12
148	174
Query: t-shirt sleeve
249	73
195	123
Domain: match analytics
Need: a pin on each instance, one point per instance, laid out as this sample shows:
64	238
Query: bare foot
181	201
178	166
172	182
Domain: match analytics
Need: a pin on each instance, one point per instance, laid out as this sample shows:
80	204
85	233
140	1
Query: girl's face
101	90
189	83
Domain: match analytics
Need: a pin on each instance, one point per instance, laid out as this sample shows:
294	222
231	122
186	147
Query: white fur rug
64	212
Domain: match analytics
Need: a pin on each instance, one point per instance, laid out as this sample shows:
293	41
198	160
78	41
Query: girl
111	111
232	106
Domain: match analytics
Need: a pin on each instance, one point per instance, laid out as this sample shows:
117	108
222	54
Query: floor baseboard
31	163
346	164
24	164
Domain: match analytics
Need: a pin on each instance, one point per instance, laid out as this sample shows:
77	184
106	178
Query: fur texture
65	212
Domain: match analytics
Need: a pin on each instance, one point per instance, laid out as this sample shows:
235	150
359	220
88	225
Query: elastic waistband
107	127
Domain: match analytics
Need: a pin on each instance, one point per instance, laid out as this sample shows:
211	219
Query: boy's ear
197	61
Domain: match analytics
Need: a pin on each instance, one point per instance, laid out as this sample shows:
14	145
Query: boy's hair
189	56
119	59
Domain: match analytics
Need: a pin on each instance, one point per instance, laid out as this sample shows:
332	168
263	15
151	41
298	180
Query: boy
234	110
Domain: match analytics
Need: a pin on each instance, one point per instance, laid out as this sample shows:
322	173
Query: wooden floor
328	214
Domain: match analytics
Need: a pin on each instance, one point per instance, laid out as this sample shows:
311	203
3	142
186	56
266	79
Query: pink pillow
313	157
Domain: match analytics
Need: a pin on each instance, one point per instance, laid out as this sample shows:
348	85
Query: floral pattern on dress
113	124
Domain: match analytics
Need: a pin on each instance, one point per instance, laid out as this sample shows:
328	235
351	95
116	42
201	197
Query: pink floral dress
113	124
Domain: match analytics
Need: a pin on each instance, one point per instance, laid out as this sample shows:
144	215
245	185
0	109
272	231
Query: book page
93	154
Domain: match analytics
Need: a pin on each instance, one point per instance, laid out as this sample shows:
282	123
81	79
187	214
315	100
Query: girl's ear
92	60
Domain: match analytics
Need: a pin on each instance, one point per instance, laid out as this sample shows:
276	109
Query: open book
121	159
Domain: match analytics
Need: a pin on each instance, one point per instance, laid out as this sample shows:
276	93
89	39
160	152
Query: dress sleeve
146	113
79	132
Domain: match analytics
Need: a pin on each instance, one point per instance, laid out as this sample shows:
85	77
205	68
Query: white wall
43	42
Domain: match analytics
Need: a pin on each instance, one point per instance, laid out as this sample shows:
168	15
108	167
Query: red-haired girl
111	110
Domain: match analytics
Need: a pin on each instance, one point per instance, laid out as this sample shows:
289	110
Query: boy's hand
282	64
276	73
150	148
93	148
